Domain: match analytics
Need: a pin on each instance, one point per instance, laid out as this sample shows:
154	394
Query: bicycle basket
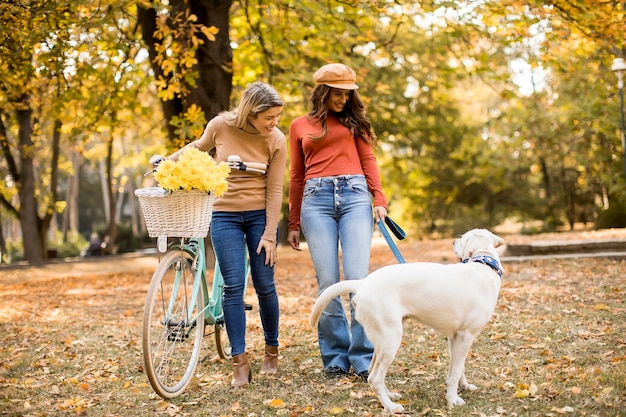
177	213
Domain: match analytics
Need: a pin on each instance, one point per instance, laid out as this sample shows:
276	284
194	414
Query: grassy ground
70	344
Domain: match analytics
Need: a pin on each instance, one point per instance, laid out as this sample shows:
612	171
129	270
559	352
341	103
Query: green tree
66	81
32	82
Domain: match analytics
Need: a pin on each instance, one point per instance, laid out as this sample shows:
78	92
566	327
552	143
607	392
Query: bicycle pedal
247	306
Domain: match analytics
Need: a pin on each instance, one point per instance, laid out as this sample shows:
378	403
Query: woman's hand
270	251
293	237
380	213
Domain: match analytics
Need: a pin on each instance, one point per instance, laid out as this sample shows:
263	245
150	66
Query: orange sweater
339	153
248	191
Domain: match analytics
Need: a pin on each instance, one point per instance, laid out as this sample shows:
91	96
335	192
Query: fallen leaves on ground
70	344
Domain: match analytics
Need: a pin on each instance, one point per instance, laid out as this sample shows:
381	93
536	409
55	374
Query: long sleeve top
247	190
339	153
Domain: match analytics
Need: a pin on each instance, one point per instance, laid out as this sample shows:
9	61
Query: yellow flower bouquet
181	205
194	170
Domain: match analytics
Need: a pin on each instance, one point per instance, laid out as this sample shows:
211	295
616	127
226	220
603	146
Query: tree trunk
3	245
212	90
77	161
104	187
132	202
13	175
33	241
112	229
70	214
546	178
51	210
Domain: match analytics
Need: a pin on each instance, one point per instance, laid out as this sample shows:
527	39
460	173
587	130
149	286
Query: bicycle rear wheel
173	326
222	342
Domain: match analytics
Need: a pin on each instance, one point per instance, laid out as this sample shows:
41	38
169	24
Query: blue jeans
230	232
339	210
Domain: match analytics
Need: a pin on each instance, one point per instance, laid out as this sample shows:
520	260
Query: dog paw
469	387
395	395
454	401
395	408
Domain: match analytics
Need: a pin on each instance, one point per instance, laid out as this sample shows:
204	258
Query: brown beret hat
336	75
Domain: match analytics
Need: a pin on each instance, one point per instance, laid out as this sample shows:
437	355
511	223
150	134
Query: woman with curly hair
334	178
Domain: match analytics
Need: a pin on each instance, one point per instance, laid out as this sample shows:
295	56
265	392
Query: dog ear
457	248
497	240
467	246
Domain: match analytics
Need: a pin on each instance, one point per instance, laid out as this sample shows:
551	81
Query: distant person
95	246
334	177
107	249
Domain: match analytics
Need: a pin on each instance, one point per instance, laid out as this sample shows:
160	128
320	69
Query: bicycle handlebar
234	162
155	160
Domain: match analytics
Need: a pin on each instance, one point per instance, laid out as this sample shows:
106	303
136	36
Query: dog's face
476	240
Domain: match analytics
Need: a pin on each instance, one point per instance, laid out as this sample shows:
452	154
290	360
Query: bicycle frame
213	307
195	247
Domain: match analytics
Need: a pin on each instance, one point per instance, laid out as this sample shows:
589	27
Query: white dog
457	300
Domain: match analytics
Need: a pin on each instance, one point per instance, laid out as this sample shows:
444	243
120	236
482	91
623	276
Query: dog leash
397	231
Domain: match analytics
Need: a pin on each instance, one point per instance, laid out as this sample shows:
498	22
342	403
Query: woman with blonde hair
247	215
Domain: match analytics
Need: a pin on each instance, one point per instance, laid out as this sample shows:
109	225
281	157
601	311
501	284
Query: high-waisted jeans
338	210
230	232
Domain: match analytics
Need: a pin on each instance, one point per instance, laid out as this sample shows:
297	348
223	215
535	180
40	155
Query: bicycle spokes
172	333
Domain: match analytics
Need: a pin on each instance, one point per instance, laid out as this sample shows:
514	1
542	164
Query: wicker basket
176	213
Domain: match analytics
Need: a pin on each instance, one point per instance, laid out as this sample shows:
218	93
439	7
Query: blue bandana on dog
487	260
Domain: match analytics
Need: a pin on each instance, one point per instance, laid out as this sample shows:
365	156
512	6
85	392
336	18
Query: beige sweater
248	191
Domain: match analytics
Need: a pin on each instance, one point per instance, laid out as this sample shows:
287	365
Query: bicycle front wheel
173	325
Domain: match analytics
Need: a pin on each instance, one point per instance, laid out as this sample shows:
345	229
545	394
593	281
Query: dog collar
487	260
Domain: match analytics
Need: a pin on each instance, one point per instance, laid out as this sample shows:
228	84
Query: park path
609	243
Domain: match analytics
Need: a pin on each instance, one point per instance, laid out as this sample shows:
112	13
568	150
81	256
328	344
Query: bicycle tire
172	341
222	342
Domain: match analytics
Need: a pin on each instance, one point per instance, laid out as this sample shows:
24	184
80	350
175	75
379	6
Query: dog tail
335	290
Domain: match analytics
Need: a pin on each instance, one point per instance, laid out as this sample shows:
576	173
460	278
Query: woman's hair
353	116
257	98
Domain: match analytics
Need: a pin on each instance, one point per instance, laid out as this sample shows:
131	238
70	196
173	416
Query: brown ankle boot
270	360
242	374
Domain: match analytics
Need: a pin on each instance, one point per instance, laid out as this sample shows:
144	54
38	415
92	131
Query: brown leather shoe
242	374
270	360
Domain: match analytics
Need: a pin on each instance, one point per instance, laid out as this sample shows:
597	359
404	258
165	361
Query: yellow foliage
524	393
167	66
188	60
210	32
277	403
